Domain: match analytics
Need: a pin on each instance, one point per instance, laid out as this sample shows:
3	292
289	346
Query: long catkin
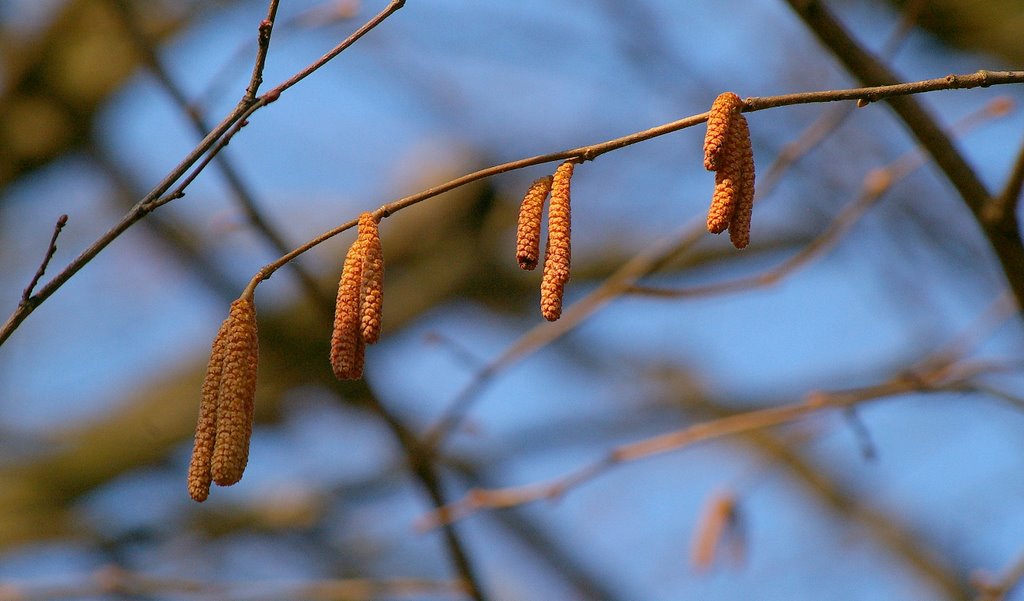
720	121
558	253
531	212
346	340
199	476
371	295
235	403
739	224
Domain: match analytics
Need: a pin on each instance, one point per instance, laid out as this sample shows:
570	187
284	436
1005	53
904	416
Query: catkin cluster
221	448
357	314
728	152
557	252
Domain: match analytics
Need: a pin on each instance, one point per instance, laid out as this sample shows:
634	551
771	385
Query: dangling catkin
531	211
728	182
371	296
235	403
552	291
739	224
199	477
558	251
720	120
728	152
346	340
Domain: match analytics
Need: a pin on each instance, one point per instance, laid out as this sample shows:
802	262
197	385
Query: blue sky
442	81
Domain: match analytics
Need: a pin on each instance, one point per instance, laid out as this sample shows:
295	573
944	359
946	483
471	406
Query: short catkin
371	295
531	212
346	339
720	121
235	403
558	251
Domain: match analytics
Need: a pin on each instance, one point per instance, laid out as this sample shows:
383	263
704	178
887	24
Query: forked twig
26	295
212	142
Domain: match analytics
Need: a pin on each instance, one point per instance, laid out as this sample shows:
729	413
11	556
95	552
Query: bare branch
1003	236
26	295
939	378
211	143
588	153
243	196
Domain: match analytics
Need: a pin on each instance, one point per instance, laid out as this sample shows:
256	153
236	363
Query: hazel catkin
558	251
720	121
371	287
346	339
739	223
199	477
728	152
531	212
235	401
728	181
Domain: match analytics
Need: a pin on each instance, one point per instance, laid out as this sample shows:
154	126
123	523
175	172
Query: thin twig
1003	236
243	196
155	198
817	402
26	295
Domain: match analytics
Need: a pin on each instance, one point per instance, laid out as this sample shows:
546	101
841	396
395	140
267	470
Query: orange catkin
371	295
552	290
739	224
558	252
346	340
720	121
199	476
728	152
235	403
531	211
728	182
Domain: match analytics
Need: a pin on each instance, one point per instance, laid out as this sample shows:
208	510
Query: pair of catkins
221	448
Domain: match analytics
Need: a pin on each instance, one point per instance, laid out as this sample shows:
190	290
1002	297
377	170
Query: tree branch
591	152
243	196
210	144
1003	236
